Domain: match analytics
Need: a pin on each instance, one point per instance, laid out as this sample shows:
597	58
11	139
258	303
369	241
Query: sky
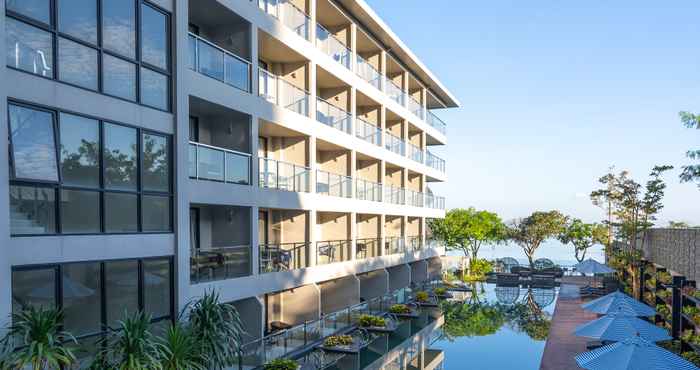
553	93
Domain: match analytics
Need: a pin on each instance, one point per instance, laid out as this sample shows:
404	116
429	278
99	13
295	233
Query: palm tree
180	350
131	346
35	339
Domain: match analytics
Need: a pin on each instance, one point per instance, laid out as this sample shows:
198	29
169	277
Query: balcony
394	92
282	93
414	243
436	122
367	72
414	198
331	251
333	184
332	116
368	190
394	245
283	257
287	13
415	107
394	195
415	153
280	175
394	143
433	161
218	164
368	132
213	61
332	47
434	202
367	248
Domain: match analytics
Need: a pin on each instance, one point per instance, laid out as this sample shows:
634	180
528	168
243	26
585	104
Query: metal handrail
414	198
434	202
333	250
416	107
281	92
414	242
415	153
367	131
368	73
281	175
394	245
368	190
330	45
283	257
289	14
219	169
334	184
394	143
367	247
332	116
394	194
394	92
222	71
219	258
431	160
436	122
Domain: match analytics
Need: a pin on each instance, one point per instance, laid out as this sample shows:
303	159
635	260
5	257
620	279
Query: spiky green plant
180	350
131	346
35	339
218	330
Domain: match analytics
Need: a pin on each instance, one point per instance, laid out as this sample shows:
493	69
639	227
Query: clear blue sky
555	92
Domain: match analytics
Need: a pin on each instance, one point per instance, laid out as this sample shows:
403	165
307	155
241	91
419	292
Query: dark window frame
57	186
52	28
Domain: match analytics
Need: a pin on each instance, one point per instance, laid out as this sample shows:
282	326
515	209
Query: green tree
529	232
180	350
678	225
131	346
691	172
217	329
466	230
604	198
471	320
583	236
35	339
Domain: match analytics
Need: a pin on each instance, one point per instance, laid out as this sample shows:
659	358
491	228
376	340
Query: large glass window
154	37
35	287
121	214
82	298
119	27
121	290
120	157
78	18
156	166
157	286
39	10
32	210
77	64
80	211
28	48
154	89
80	150
33	144
155	213
118	77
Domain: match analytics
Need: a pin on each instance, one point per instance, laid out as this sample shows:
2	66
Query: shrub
664	277
281	364
480	267
663	311
367	321
649	297
400	308
422	296
338	340
690	336
440	291
692	357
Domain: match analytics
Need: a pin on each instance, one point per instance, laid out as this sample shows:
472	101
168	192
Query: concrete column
5	266
313	237
422	229
255	160
382	69
253	60
312	20
353	110
424	101
313	92
254	242
352	229
382	233
404	87
353	46
312	164
382	124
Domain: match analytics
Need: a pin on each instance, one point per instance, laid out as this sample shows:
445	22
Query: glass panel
119	27
156	287
78	18
33	144
156	163
32	210
211	61
81	298
80	211
120	212
120	157
118	77
29	48
210	164
155	213
77	64
37	9
154	89
33	288
121	290
80	150
237	72
154	37
237	168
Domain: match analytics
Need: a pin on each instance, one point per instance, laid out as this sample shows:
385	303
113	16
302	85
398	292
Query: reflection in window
154	37
81	298
78	18
77	64
33	145
118	77
80	151
33	288
155	213
36	9
80	212
28	48
119	27
120	212
154	89
120	157
156	286
121	290
156	163
33	210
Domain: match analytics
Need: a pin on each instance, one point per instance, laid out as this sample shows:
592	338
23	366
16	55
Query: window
156	166
154	37
32	210
121	290
82	297
118	77
157	287
80	151
33	144
33	288
121	212
154	89
39	10
80	211
77	64
78	18
29	48
120	157
155	213
119	27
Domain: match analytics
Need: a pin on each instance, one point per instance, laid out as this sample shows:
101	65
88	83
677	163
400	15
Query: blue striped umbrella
632	354
618	302
618	327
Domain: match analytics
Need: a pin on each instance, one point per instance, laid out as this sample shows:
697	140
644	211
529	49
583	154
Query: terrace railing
288	14
414	243
331	46
434	202
394	143
332	116
211	60
414	198
331	251
280	175
368	190
394	195
368	132
219	263
431	160
436	122
416	107
367	248
333	184
394	92
278	91
283	257
415	153
394	245
218	164
368	73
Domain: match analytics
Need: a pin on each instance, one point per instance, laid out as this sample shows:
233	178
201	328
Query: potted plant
692	357
664	277
440	292
649	297
665	295
370	321
400	309
422	296
338	341
282	364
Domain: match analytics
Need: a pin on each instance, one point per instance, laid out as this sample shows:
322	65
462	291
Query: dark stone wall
676	249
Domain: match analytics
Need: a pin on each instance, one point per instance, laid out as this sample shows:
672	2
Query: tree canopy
529	232
583	236
691	172
466	230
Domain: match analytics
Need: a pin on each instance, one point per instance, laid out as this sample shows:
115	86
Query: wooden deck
562	345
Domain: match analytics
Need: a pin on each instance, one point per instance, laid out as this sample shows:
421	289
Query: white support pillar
353	46
313	237
254	242
5	265
312	20
382	234
353	235
313	91
312	164
254	52
353	110
424	102
382	69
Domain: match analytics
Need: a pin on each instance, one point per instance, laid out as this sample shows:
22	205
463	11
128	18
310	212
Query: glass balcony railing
219	263
278	91
283	257
368	73
218	164
436	122
394	143
332	116
394	245
394	195
367	247
279	175
288	14
414	198
330	45
416	107
431	160
218	63
368	190
394	92
415	153
333	184
434	202
331	251
414	243
368	132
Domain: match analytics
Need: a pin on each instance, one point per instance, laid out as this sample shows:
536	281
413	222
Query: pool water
498	328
